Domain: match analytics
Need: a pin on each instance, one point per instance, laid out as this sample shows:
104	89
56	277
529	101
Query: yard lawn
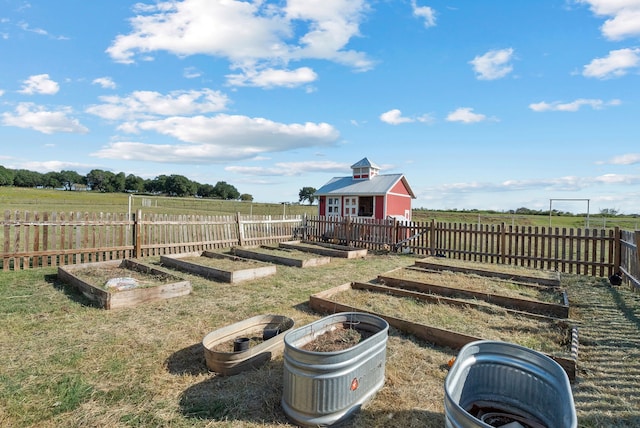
66	363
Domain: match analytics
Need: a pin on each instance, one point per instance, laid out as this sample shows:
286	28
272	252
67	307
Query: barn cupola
364	170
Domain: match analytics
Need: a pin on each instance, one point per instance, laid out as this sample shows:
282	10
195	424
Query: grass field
68	364
44	200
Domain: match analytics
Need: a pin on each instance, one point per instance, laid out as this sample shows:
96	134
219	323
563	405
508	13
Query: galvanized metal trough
494	383
326	388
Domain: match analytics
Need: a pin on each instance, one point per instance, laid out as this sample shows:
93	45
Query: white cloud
270	77
219	138
494	64
253	36
30	116
39	84
150	104
572	106
465	115
290	168
394	117
616	64
105	82
627	159
191	73
425	12
563	184
624	16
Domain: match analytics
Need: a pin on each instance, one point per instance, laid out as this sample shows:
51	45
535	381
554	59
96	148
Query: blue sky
492	104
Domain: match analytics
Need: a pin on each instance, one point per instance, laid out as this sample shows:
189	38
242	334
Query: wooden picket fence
31	240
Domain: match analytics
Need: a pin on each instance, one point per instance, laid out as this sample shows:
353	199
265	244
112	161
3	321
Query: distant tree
157	185
179	185
307	194
52	180
26	178
6	176
206	190
611	212
69	178
116	182
98	180
223	190
133	183
246	197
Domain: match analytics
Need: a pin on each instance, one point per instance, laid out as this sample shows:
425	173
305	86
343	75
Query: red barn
366	193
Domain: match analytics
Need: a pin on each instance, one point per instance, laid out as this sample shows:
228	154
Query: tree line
108	182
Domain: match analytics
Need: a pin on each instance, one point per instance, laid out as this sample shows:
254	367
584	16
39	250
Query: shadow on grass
188	361
607	393
70	292
250	396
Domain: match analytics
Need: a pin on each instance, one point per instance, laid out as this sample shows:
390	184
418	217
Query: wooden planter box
110	299
244	269
274	255
545	277
525	305
322	302
230	363
329	250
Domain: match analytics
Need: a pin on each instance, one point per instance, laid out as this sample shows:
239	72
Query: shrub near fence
32	240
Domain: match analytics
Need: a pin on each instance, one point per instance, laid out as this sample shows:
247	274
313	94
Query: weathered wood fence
31	240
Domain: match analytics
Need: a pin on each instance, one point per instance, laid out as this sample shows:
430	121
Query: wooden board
555	281
126	298
242	273
279	258
321	302
329	250
526	305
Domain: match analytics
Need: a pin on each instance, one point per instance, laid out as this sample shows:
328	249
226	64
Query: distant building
366	193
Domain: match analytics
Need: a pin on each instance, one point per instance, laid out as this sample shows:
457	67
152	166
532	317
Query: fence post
503	243
240	230
617	251
137	235
432	238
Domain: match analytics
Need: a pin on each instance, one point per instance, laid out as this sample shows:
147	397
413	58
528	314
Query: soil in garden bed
483	284
99	275
228	346
283	252
337	339
493	267
224	264
552	337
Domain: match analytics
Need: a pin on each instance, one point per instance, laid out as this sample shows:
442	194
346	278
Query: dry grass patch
487	323
99	275
499	268
471	282
228	264
68	364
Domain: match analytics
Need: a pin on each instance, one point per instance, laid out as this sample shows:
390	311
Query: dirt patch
337	339
98	276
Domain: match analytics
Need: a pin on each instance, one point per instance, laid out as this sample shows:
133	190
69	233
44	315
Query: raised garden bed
324	249
223	267
123	283
261	338
332	367
454	326
513	273
549	301
284	256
